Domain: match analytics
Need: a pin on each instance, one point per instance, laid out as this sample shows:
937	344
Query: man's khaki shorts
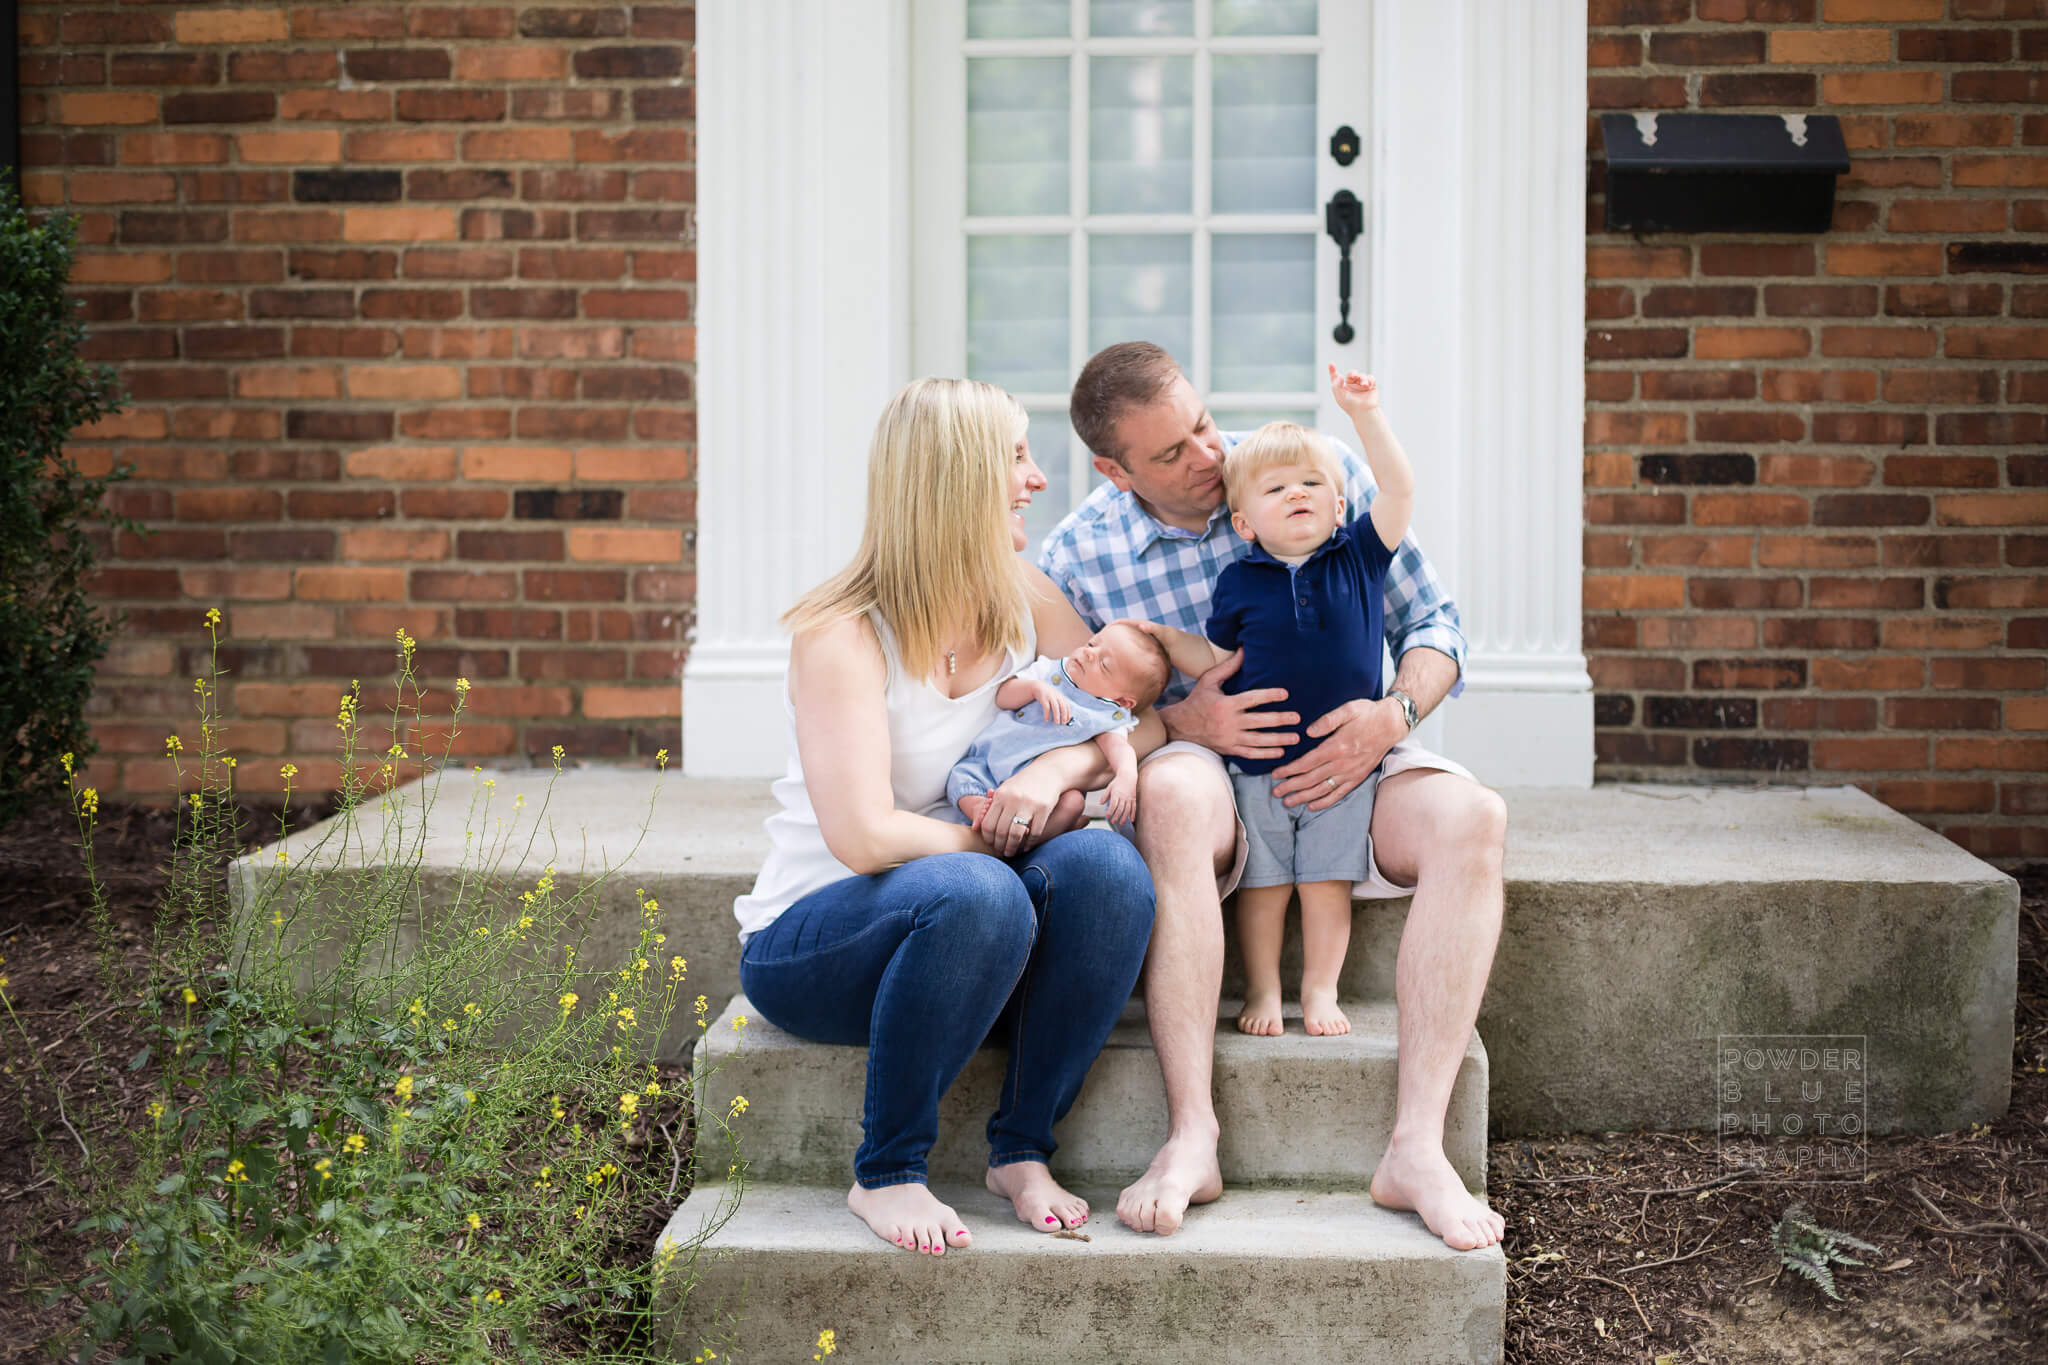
1402	757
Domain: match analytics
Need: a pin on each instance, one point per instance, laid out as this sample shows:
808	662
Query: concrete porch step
1260	1275
1642	921
1294	1110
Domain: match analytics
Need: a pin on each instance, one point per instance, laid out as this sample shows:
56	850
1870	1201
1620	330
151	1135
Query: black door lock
1344	220
1344	146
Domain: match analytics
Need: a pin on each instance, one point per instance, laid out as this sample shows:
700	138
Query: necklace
952	664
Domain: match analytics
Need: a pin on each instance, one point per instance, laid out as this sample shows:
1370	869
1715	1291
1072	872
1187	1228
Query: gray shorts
1289	845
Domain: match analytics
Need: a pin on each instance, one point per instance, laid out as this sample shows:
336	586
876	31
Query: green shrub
50	634
381	1129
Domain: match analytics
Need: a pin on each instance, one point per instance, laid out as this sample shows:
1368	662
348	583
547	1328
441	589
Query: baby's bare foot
1039	1200
909	1216
1320	1015
972	805
1261	1015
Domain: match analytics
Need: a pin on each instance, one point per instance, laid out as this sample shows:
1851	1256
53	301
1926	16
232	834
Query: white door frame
1473	289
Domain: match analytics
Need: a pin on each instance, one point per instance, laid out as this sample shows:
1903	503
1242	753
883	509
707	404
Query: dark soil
1620	1246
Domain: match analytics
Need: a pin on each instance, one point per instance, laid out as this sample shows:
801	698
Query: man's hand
1231	725
1359	733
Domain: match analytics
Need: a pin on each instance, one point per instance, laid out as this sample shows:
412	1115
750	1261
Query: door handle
1344	220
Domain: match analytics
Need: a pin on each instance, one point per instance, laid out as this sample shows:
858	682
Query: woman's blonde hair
1277	443
935	555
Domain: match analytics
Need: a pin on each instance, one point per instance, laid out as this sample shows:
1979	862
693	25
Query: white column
1478	272
802	332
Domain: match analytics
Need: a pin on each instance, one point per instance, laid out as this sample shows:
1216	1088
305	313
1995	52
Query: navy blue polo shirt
1314	628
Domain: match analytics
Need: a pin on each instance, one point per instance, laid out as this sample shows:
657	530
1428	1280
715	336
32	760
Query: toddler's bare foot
1261	1014
1320	1015
909	1216
1411	1176
972	805
1065	815
1039	1200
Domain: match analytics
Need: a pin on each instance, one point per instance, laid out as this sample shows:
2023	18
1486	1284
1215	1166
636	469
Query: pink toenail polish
1050	1219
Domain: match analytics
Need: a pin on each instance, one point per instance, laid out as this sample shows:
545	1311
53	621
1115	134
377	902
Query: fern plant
1812	1250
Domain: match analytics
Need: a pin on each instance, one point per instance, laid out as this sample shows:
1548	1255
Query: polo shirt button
1303	601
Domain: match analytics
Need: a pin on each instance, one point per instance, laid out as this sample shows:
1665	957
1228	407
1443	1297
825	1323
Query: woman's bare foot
1320	1015
1185	1172
1039	1200
972	805
910	1217
1414	1177
1261	1014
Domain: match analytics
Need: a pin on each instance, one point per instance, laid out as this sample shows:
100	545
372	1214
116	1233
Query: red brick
1940	471
1925	633
1880	11
1941	386
1882	87
1941	551
1745	594
1707	49
1820	713
1815	471
1708	552
1697	385
1820	300
335	584
1697	632
1762	427
1638	262
1818	47
1614	50
1884	258
1942	713
1816	552
1618	592
2030	343
1659	343
1870	509
1991	675
1928	796
1819	386
1870	755
1868	675
1607	552
1943	300
2000	87
230	26
1996	171
1775	88
2023	798
1984	593
1952	130
2004	754
2027	713
1742	343
1955	45
1992	509
1748	509
1819	632
1625	508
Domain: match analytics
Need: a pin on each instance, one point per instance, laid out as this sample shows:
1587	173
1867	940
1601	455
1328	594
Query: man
1149	544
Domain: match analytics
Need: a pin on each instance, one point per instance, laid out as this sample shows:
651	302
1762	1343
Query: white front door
1116	170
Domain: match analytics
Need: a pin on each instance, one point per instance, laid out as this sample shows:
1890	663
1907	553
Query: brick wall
1816	485
402	295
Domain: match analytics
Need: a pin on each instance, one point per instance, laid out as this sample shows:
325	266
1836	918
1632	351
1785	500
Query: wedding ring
1332	781
1021	820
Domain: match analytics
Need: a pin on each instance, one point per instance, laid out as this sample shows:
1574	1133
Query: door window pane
1243	422
1141	288
1265	134
1049	435
1016	135
1262	289
1234	17
1141	18
1017	312
1019	18
1141	134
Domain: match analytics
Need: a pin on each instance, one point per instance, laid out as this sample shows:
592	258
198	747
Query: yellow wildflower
354	1143
417	1009
577	1212
739	1021
490	782
473	1010
155	1110
676	967
89	801
568	1001
559	1112
395	751
469	1097
739	1106
212	617
828	1342
475	1221
288	771
67	765
325	1167
173	745
228	759
462	686
661	758
404	1088
625	1018
277	916
558	753
494	1297
190	997
448	1025
629	1104
283	857
544	1183
235	1175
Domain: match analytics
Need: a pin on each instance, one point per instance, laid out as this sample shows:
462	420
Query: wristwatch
1408	711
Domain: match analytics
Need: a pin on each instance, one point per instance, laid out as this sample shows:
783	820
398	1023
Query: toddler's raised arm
1394	506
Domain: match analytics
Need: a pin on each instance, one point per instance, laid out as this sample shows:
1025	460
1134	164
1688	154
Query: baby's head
1285	487
1121	664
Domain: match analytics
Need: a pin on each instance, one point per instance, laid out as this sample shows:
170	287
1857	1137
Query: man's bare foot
1422	1180
910	1217
1040	1201
1185	1172
972	805
1320	1015
1261	1014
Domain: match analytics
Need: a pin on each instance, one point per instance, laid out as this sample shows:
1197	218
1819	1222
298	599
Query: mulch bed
1620	1246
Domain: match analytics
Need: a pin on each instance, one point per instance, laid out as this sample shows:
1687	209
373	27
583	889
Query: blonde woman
878	921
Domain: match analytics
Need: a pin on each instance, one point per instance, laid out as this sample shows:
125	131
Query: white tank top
928	734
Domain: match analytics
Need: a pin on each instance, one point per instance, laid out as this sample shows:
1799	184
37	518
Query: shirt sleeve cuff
1442	639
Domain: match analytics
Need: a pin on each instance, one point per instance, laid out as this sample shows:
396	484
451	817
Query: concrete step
1260	1275
1642	921
1294	1110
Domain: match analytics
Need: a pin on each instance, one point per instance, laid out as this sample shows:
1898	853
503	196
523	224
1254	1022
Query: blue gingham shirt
1112	559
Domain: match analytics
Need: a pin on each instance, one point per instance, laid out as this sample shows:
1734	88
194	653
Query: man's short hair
1116	379
1157	668
1275	444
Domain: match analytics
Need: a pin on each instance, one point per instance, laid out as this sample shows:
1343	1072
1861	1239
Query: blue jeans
924	962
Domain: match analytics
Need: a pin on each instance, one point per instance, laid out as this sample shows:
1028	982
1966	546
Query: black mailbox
1722	172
